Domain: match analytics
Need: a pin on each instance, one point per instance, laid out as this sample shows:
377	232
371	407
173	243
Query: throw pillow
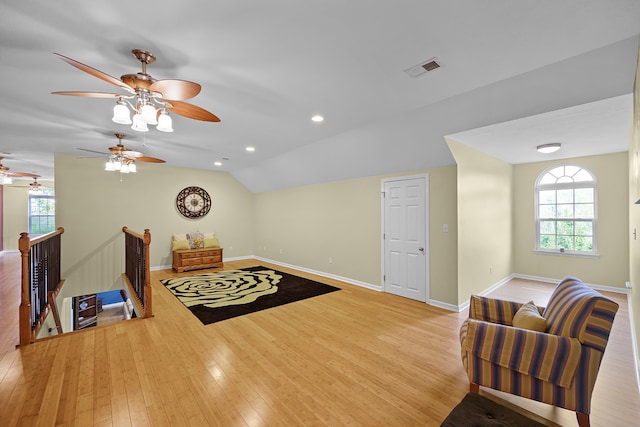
196	240
181	236
528	317
211	243
180	244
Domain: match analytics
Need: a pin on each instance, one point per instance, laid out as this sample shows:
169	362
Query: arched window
566	210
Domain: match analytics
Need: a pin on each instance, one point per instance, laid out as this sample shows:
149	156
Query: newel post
25	303
148	310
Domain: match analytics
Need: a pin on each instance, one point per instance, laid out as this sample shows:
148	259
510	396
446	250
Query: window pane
547	211
547	241
547	227
584	211
566	242
584	228
570	170
584	243
565	211
583	176
565	196
565	228
546	197
548	179
584	195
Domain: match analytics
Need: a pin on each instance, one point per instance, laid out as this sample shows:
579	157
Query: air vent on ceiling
423	68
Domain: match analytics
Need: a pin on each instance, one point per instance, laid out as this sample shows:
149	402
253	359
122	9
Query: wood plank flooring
353	357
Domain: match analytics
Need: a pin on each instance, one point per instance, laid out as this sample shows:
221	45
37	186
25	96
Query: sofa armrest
550	358
493	310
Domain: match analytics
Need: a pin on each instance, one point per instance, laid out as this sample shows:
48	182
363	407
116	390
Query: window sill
569	254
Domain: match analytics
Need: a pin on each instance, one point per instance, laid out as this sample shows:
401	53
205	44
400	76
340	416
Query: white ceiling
267	67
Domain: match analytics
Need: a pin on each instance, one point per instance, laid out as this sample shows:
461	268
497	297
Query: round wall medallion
193	202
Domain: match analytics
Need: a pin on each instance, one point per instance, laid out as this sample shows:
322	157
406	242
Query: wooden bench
194	259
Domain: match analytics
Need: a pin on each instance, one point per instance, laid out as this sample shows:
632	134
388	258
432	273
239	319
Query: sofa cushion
528	317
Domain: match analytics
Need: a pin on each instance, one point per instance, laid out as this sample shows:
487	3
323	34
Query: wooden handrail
137	270
40	275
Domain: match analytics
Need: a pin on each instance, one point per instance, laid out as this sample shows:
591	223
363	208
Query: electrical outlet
281	251
330	260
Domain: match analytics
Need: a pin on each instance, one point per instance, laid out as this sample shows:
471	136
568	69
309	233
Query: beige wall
485	218
611	267
15	214
634	216
342	221
93	206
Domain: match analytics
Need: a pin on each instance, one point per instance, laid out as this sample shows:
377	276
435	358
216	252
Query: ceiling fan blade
176	89
93	151
96	73
22	174
191	111
133	154
91	94
149	159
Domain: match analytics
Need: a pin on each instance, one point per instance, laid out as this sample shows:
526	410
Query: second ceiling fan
148	98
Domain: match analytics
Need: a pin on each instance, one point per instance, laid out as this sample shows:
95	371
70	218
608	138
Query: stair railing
40	281
137	273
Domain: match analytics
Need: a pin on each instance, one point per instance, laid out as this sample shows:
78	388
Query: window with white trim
42	211
565	201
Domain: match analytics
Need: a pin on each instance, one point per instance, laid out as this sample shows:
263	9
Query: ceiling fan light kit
123	159
149	99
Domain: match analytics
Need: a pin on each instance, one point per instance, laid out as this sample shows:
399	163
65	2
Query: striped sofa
559	366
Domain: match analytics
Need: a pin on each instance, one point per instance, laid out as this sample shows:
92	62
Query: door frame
383	181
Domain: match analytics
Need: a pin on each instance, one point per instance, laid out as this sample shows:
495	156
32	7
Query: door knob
421	250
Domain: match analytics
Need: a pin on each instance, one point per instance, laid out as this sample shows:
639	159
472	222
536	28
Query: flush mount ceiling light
549	148
148	98
317	118
250	149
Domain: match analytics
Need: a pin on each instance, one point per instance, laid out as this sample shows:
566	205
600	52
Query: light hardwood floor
354	357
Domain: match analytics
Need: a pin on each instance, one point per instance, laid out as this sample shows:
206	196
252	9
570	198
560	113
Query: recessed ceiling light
250	149
549	148
218	163
317	118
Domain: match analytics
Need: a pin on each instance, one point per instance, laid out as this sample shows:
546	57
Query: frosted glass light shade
549	148
165	124
6	180
132	168
148	113
138	124
121	114
109	166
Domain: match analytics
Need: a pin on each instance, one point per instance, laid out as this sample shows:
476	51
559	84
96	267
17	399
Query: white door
405	237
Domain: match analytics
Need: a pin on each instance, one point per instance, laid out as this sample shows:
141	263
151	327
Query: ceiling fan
122	159
148	98
6	176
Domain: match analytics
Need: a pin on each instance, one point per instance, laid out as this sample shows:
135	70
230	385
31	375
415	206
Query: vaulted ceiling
565	68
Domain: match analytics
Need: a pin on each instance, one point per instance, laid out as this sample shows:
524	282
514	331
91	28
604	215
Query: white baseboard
634	341
597	287
444	305
322	273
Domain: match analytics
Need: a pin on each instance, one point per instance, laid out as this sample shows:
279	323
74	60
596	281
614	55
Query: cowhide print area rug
213	297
